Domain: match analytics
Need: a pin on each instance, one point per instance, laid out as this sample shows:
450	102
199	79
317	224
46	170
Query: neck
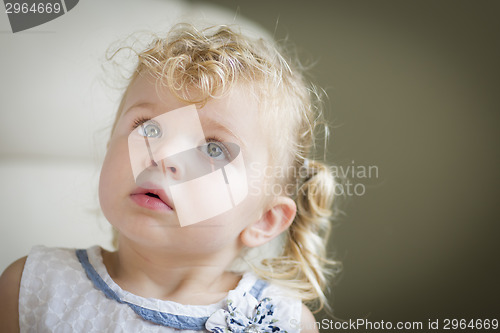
186	278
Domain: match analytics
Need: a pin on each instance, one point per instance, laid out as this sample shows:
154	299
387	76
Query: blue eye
215	150
150	129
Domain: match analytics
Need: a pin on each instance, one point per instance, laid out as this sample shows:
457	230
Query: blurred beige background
413	91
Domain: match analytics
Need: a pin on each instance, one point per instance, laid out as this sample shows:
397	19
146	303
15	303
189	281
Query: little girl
207	162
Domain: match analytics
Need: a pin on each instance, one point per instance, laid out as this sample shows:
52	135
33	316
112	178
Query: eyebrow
219	126
144	105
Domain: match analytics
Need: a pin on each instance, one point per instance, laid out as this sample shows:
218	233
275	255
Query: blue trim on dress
95	277
157	317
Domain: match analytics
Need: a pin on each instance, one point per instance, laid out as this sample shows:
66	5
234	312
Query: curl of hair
304	264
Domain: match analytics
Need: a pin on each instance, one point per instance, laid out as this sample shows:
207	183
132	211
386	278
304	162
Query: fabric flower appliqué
244	314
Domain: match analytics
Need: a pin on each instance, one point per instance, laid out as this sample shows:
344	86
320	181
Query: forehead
236	111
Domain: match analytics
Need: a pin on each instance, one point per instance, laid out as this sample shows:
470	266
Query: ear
272	223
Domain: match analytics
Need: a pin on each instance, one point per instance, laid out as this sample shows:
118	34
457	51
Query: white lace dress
67	290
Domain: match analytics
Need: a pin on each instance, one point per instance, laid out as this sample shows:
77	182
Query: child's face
128	169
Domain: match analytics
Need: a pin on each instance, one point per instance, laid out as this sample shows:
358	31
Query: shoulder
10	282
307	320
42	260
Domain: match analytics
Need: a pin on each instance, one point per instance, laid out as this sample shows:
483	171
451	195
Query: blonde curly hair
210	62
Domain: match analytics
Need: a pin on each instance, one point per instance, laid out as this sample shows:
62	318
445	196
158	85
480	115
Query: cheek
106	185
227	226
258	188
115	172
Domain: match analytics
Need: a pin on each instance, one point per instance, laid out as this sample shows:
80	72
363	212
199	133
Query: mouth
155	199
152	195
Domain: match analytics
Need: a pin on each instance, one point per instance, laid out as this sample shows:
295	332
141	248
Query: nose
166	157
170	168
